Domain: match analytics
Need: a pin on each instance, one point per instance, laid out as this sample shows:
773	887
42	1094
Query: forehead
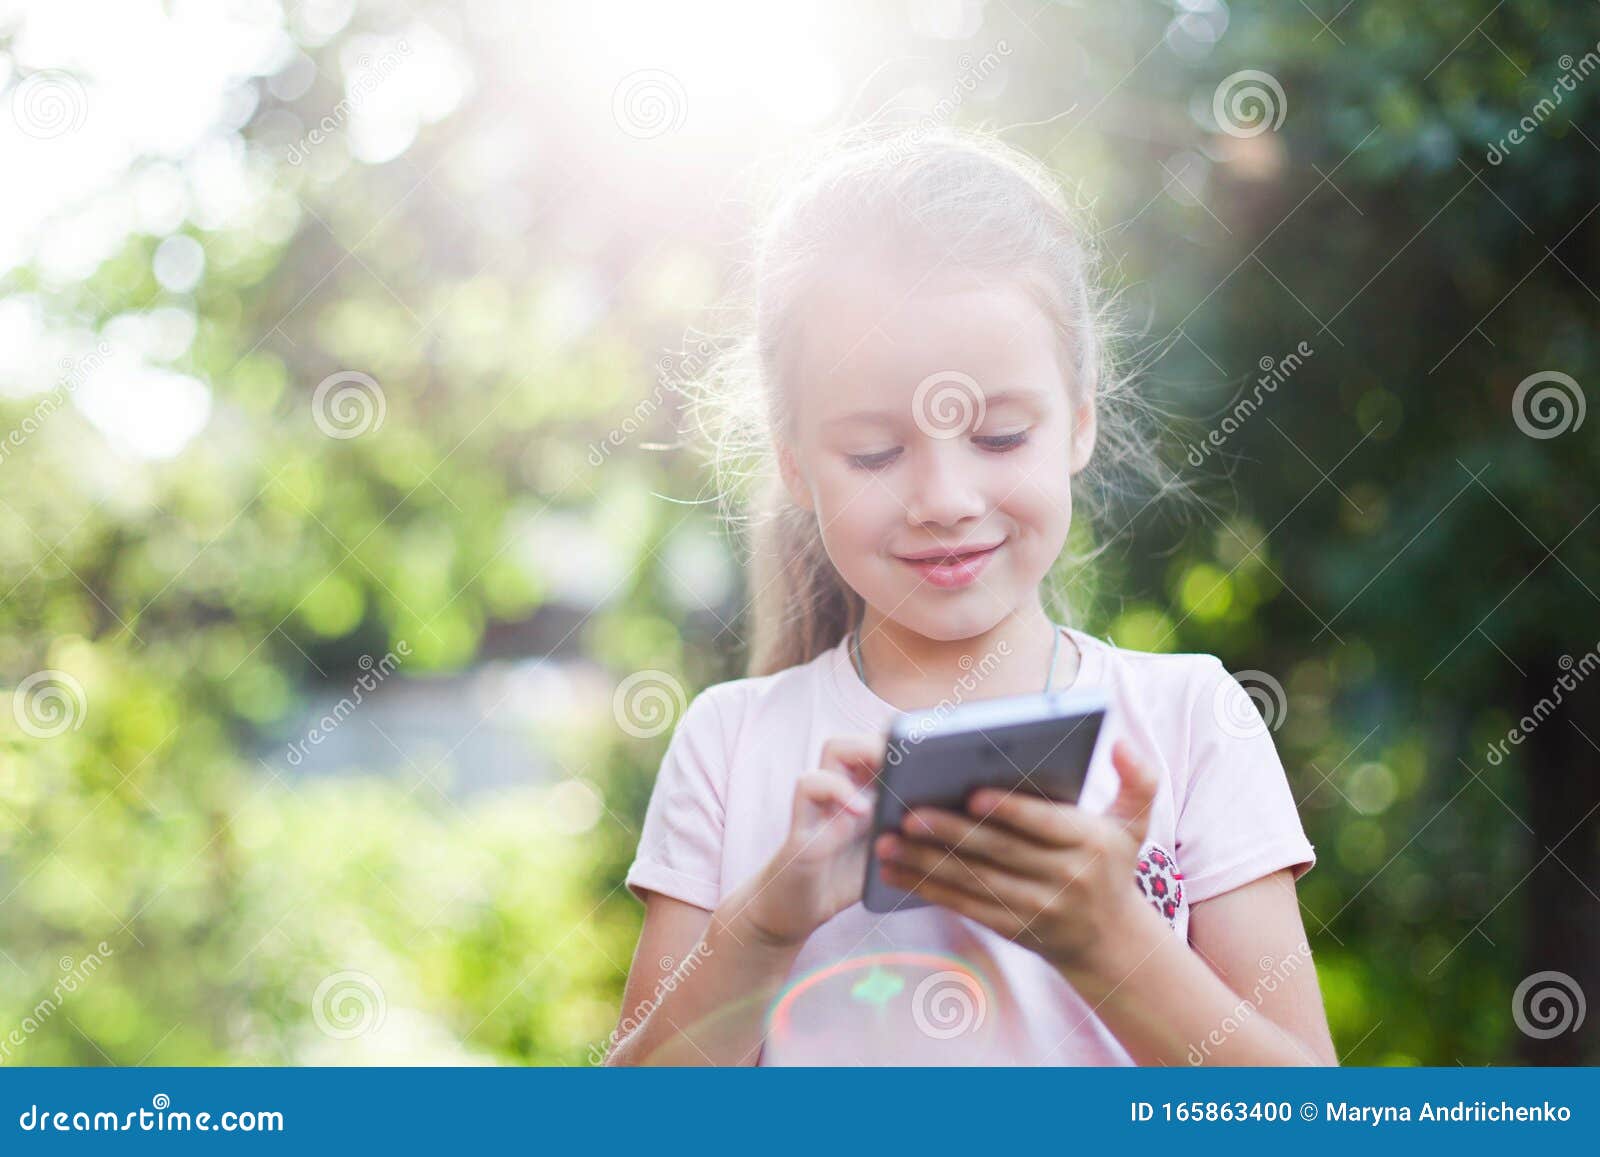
871	334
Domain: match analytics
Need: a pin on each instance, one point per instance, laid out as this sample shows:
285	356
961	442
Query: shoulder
753	705
1187	677
1191	704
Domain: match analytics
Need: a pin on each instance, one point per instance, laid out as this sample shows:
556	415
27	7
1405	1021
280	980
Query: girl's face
934	423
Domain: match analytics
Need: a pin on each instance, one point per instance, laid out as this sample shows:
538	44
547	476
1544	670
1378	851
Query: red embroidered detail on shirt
1160	881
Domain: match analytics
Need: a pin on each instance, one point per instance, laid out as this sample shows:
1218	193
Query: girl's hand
820	869
1050	876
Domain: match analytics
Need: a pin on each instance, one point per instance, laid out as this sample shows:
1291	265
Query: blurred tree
432	356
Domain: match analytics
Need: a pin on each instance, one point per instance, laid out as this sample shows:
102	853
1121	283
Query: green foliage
1379	535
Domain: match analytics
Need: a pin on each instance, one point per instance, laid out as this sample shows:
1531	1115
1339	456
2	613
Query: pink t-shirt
926	986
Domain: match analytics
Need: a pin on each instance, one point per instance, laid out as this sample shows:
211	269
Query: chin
952	624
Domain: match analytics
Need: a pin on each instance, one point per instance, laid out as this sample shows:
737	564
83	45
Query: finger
1138	790
923	861
983	840
982	908
1053	824
858	756
832	791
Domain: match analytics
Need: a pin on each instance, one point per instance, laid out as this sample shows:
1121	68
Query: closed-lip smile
951	568
952	552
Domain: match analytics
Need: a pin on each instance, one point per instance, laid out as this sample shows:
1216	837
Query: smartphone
1040	743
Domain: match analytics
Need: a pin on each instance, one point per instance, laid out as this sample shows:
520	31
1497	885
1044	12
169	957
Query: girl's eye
1000	443
873	461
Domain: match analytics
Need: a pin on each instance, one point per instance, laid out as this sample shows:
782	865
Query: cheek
853	514
1038	502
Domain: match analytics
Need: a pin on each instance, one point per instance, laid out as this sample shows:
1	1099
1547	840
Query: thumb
1136	792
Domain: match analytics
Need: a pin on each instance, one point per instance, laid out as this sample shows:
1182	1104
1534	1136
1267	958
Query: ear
794	480
1084	429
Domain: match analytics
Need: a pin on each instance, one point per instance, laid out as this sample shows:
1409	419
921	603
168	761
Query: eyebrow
888	417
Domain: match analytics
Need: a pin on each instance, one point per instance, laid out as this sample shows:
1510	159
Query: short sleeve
1237	819
680	845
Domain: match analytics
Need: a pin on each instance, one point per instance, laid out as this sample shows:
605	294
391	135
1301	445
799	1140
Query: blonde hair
922	199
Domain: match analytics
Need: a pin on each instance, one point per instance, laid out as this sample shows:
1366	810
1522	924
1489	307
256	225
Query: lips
945	553
951	569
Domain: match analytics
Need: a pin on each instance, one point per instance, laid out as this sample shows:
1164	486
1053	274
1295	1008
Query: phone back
1039	743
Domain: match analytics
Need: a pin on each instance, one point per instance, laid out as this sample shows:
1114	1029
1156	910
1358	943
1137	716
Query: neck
911	671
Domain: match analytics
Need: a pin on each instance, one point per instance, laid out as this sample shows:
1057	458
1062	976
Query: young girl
930	377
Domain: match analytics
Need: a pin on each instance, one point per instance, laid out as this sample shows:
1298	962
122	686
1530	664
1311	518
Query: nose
943	487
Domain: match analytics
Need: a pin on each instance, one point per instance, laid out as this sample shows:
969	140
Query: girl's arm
1257	1004
1058	880
700	984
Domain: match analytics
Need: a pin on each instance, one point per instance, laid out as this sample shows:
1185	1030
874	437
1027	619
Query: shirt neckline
862	704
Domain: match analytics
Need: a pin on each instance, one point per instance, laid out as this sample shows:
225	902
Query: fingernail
915	823
888	847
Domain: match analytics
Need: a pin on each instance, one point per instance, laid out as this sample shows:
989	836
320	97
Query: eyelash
994	444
